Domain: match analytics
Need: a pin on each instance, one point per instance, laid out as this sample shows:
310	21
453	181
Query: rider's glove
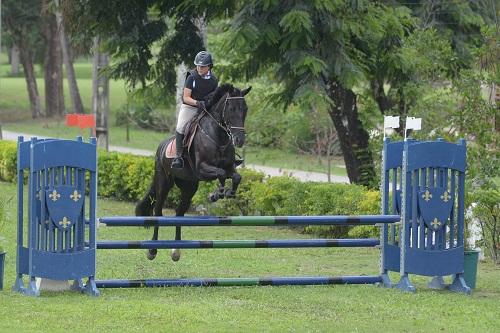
200	105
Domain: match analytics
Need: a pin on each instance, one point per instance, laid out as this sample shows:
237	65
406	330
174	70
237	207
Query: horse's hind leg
188	189
163	185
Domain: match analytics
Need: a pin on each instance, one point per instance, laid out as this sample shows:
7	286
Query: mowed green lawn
241	309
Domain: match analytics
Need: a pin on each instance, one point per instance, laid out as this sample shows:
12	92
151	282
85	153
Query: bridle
224	118
222	124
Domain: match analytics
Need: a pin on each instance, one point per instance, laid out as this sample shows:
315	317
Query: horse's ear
246	91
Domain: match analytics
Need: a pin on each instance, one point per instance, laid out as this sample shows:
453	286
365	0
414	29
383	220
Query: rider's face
202	70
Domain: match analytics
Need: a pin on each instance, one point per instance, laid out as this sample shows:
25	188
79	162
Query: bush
487	211
243	204
8	161
128	177
339	199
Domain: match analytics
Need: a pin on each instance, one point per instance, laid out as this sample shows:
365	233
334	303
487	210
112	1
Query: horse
218	129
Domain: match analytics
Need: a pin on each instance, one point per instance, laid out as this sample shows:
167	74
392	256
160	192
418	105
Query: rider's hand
200	105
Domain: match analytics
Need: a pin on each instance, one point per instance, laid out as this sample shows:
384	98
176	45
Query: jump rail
275	281
201	221
238	244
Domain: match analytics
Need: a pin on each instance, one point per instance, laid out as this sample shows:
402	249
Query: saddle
189	133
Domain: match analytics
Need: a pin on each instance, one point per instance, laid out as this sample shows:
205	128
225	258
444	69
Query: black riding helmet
203	58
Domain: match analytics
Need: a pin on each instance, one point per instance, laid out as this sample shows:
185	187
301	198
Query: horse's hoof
213	197
175	255
221	192
229	193
152	254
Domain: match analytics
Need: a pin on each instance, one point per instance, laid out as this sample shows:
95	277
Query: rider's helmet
203	58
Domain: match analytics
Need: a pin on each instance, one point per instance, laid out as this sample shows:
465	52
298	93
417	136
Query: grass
245	309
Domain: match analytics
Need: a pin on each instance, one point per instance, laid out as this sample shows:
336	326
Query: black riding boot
178	163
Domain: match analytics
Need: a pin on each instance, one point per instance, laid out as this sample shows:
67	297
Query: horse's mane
214	97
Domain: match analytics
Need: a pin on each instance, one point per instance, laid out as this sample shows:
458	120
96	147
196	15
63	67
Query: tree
22	19
76	100
313	48
52	63
422	43
147	39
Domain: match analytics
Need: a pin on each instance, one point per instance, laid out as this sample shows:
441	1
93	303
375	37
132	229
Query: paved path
302	175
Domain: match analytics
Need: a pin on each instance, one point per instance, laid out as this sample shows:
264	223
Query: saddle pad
170	151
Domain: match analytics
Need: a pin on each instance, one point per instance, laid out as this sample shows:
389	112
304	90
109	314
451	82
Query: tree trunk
181	79
100	95
352	136
383	101
14	60
54	94
29	74
76	100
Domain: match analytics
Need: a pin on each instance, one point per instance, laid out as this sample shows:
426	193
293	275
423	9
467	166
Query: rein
222	124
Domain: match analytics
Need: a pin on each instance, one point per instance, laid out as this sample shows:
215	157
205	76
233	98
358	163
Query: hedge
127	177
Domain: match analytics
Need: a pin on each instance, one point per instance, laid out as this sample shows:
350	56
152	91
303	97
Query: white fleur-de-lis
75	196
435	223
445	196
65	222
427	195
54	195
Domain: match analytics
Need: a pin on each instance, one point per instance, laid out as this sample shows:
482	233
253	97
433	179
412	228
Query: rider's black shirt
200	87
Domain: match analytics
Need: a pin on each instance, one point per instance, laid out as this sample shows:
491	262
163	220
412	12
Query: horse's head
234	112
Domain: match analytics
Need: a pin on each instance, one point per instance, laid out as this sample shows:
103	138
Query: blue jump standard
226	244
274	281
123	221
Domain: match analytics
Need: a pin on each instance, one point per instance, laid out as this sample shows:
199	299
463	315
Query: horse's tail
145	206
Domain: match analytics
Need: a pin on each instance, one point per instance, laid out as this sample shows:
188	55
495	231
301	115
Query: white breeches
186	113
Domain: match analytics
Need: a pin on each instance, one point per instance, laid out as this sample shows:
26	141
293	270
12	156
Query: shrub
128	177
8	161
244	202
487	211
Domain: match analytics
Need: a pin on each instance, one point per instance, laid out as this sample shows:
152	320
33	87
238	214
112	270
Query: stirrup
238	162
178	163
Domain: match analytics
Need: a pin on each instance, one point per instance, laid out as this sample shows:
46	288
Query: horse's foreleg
209	172
236	180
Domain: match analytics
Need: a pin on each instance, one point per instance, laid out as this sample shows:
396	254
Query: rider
199	83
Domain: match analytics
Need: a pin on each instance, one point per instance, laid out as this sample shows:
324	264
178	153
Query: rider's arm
187	99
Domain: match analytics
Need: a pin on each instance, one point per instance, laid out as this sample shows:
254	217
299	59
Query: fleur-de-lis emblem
435	223
65	222
427	195
446	196
75	196
54	195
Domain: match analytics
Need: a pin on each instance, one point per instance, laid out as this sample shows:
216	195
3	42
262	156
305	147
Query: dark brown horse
211	156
